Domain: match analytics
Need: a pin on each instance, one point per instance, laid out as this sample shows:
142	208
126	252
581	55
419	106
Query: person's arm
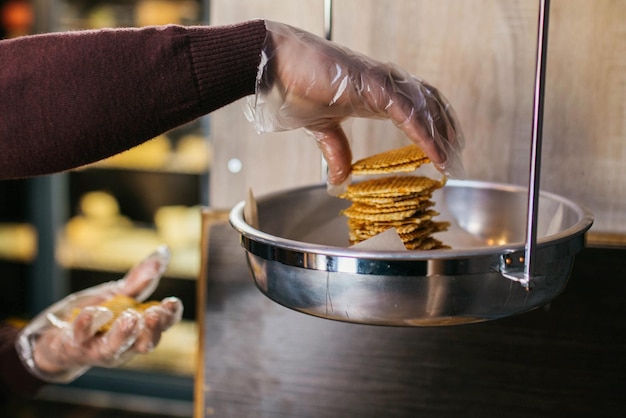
74	98
305	81
15	379
68	99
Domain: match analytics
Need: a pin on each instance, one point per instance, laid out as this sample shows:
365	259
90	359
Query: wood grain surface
264	360
481	55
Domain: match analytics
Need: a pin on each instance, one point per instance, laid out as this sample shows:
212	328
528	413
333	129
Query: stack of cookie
396	201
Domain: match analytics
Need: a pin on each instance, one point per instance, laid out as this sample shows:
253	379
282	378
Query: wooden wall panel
481	55
585	149
478	53
273	161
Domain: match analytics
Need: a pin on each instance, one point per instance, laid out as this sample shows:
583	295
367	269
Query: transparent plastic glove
305	81
57	348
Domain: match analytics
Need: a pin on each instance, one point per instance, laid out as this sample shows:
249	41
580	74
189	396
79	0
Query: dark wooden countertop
263	360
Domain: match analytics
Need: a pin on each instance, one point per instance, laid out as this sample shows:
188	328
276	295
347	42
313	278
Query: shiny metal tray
299	256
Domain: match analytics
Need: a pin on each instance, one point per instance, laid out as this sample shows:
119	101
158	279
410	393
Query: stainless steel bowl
299	257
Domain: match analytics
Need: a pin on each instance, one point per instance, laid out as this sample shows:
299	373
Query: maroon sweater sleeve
14	378
68	99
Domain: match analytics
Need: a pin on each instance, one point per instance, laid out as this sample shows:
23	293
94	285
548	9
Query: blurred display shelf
118	211
189	153
119	254
105	233
151	195
90	14
18	242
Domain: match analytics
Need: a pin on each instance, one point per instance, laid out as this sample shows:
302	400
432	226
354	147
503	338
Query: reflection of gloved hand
56	348
306	81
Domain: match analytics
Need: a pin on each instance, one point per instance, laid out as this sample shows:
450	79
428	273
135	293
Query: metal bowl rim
236	219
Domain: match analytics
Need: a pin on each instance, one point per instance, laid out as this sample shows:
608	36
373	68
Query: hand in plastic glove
306	81
56	348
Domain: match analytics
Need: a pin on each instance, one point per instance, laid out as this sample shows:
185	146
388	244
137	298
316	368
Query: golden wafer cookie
361	220
408	228
363	225
363	208
415	219
409	200
428	243
403	226
418	201
412	221
394	186
364	233
407	232
118	304
401	202
388	216
390	200
405	159
426	229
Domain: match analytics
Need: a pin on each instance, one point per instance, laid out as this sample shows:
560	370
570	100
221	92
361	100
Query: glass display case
70	231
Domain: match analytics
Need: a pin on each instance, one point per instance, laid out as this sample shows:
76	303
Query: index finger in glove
445	133
158	319
107	349
421	112
335	147
143	278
